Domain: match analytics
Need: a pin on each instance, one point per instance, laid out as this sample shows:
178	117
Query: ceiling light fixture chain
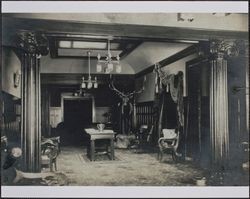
89	83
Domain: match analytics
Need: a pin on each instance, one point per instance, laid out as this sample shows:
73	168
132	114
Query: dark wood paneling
11	117
237	108
145	116
197	131
45	113
1	97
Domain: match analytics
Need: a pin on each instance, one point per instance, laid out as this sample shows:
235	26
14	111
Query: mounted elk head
125	96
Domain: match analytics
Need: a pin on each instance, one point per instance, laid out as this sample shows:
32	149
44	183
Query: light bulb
107	70
95	84
118	58
83	85
89	85
110	67
98	68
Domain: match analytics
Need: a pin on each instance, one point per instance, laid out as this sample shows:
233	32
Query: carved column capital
33	43
228	48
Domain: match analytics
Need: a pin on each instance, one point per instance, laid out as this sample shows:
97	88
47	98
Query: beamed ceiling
139	46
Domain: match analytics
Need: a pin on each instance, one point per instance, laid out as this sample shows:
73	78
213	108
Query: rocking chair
169	143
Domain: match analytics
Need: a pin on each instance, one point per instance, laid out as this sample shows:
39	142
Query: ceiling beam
126	46
84	37
143	32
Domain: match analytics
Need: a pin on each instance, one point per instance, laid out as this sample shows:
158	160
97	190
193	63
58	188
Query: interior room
109	99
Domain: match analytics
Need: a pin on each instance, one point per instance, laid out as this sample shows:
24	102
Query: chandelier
107	65
89	83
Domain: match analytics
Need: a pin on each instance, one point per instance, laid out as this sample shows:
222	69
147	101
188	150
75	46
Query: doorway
77	115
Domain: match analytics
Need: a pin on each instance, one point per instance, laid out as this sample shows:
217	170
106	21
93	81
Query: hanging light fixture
107	65
89	83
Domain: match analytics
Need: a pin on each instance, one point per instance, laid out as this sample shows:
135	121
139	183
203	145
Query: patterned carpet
101	158
128	169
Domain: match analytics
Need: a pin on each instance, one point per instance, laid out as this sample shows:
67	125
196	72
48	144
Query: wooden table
100	135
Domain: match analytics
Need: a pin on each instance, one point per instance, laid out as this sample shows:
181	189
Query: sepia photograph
107	99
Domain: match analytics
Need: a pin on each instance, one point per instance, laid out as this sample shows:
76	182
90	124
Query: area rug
100	158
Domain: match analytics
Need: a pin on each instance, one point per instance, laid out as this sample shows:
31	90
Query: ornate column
219	110
31	47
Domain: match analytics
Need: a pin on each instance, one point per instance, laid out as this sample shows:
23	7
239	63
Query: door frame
201	62
67	96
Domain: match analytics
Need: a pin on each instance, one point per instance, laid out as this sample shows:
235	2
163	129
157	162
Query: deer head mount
126	96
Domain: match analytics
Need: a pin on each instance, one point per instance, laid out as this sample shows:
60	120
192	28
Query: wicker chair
169	143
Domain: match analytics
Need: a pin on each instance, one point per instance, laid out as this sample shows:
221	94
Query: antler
162	75
112	87
140	90
159	71
123	95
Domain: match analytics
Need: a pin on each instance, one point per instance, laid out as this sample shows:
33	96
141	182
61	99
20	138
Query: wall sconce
17	77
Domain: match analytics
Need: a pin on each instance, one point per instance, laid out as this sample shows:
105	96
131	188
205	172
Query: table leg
107	147
112	149
92	150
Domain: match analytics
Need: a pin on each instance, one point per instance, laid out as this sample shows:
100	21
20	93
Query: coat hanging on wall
173	84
